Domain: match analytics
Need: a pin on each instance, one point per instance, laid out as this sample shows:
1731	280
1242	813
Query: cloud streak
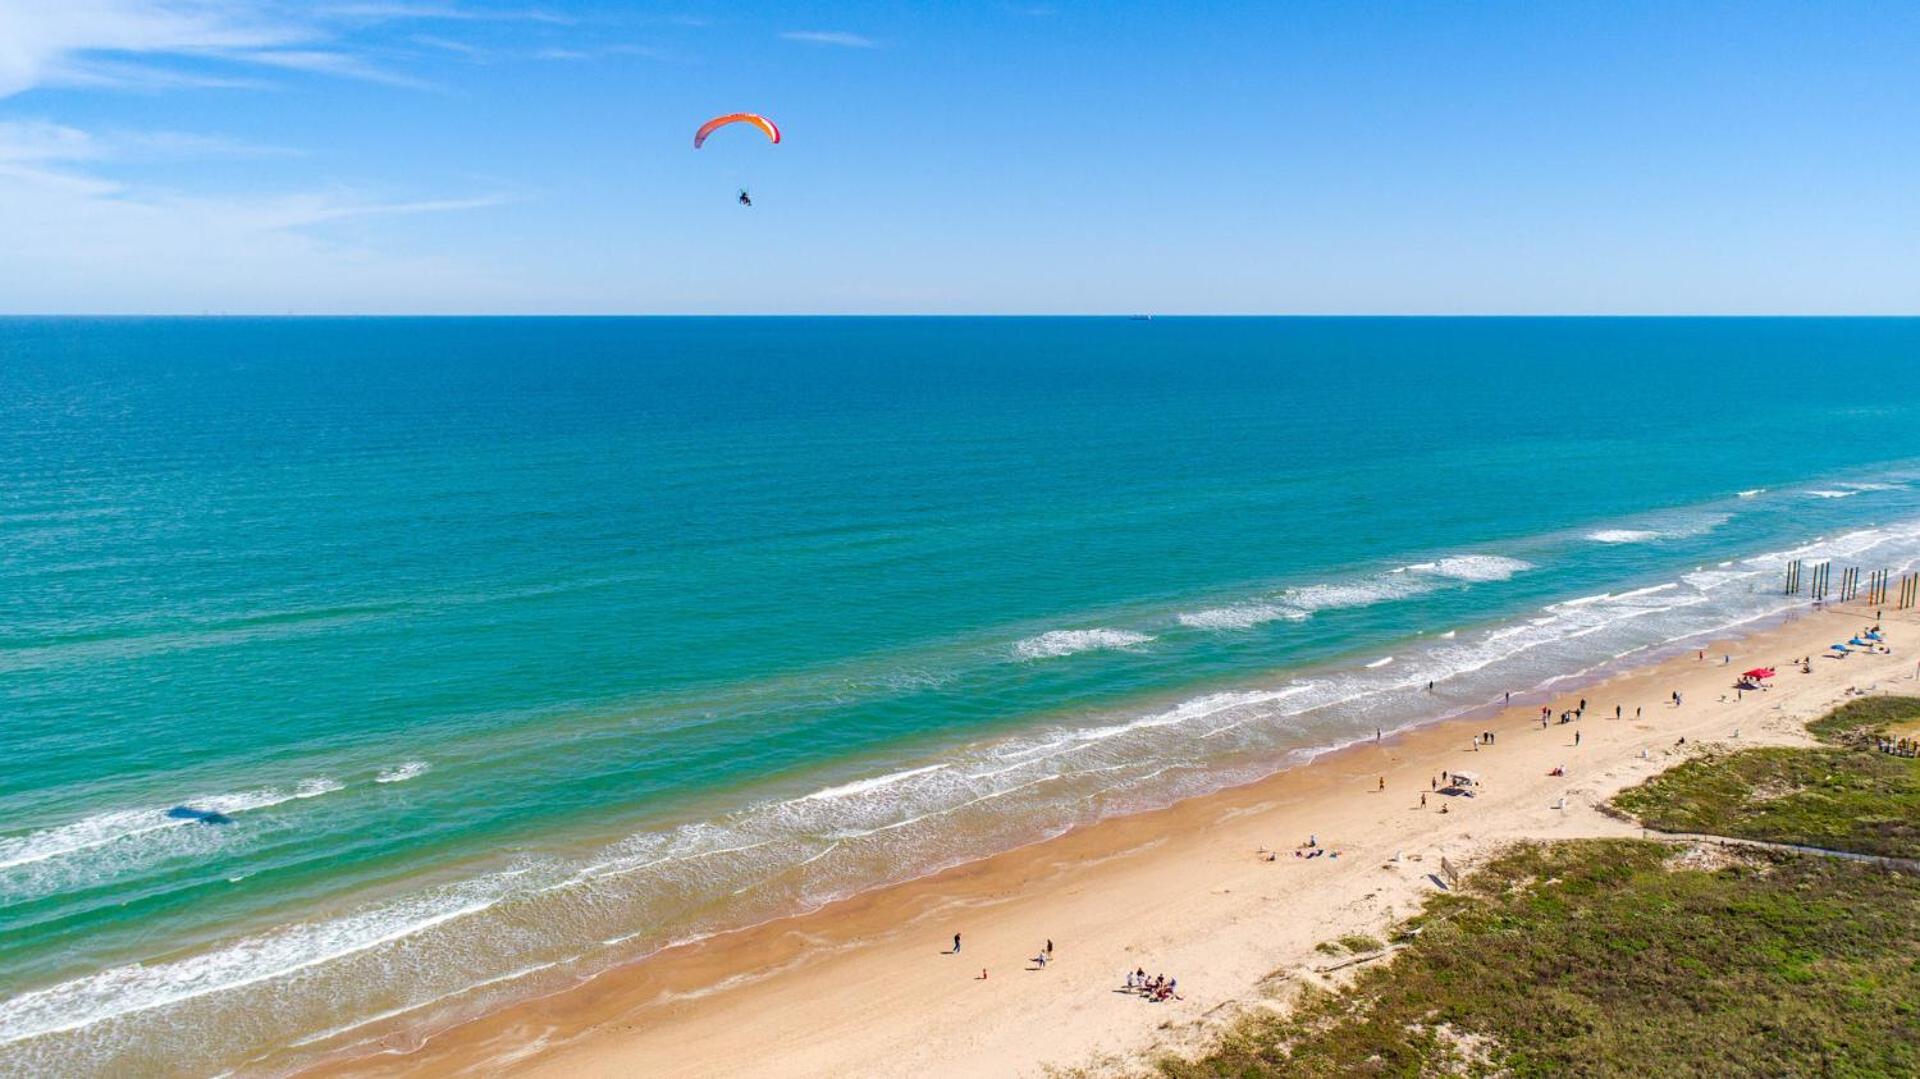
80	244
840	38
395	12
162	44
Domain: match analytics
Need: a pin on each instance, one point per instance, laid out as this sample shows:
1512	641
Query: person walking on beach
1616	711
956	950
1576	737
1049	949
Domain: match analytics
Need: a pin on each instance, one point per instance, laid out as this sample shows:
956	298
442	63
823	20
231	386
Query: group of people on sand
1157	989
1043	957
1040	960
1310	849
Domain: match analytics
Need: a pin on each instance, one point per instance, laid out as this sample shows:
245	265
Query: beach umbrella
1839	647
1759	672
1856	642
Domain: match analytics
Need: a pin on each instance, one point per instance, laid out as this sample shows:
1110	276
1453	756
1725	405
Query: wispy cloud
150	44
78	241
59	43
831	37
390	12
41	140
43	143
447	44
601	52
338	64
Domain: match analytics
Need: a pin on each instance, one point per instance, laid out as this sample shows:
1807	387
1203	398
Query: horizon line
1123	315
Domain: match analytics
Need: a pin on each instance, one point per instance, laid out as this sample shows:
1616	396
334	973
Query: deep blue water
499	640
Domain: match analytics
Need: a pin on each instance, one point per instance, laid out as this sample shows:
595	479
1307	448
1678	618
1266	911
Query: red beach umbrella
1759	672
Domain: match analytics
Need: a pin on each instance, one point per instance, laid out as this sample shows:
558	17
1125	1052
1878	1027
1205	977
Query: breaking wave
1067	642
403	772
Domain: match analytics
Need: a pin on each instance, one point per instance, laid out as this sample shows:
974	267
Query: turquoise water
514	648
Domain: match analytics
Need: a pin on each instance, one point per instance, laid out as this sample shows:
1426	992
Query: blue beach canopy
1839	647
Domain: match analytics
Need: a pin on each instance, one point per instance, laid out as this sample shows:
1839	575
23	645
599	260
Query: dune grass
1865	717
1599	957
1842	797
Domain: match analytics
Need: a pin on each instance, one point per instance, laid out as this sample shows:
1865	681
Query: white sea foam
1828	493
1240	616
403	772
138	987
1753	492
877	782
1474	567
1662	527
1361	593
1067	642
1870	486
101	829
1381	662
1300	603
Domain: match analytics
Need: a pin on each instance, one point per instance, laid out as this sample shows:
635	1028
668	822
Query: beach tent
1838	647
1856	642
1465	779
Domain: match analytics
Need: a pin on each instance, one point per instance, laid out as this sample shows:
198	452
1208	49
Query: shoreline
861	986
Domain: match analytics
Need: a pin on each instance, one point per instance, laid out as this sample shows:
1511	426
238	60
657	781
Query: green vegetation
1845	798
1861	719
1624	957
1599	957
1361	944
1352	943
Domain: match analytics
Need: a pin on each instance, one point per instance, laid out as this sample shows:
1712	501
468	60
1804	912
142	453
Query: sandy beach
869	986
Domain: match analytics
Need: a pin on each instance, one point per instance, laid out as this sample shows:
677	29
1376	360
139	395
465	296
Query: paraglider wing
765	125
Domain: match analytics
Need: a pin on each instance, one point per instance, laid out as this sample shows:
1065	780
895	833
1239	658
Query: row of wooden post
1875	589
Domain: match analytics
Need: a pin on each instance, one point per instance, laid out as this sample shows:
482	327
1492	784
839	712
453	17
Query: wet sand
868	986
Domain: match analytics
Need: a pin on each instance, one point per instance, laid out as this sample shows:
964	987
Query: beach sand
866	987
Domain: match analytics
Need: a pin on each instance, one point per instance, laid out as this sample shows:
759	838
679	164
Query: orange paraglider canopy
765	125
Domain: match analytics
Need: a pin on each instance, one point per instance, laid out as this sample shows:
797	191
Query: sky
1025	157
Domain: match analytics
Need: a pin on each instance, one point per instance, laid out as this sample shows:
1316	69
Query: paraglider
765	125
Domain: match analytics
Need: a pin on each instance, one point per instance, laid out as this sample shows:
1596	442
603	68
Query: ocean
506	650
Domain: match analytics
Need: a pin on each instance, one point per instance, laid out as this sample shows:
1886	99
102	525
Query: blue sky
1032	156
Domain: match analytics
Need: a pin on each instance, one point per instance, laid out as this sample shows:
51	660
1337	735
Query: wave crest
1067	642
